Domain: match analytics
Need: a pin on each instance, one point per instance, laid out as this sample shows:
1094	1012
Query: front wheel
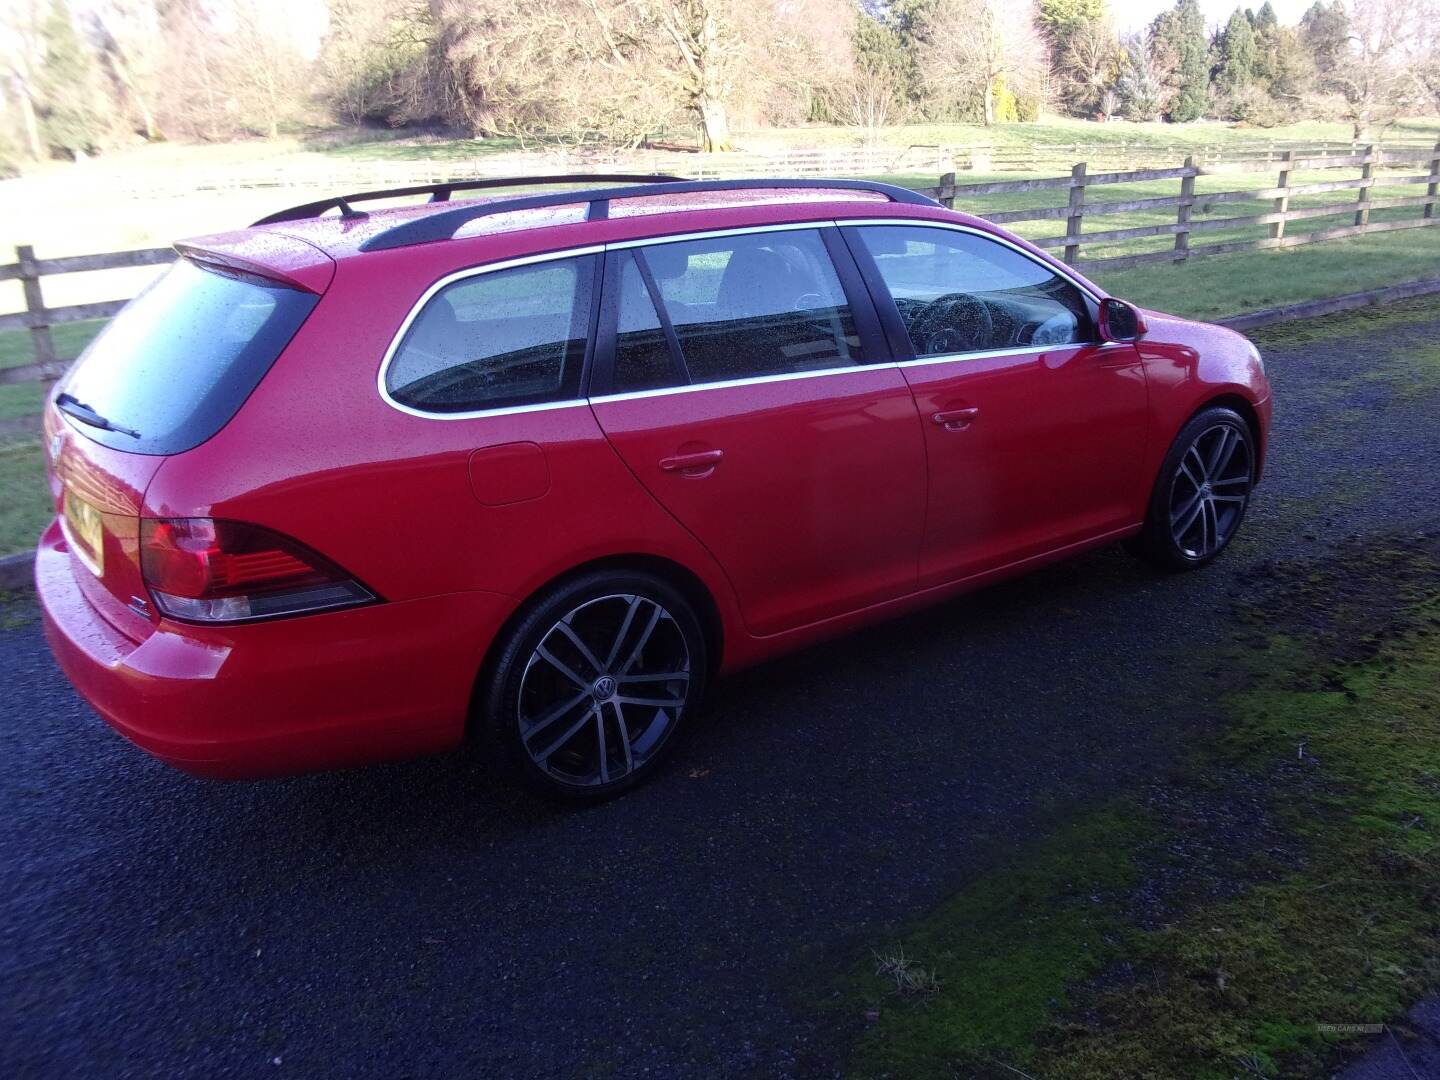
592	686
1202	492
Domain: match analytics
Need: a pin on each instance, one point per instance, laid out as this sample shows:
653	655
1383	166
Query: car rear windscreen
180	359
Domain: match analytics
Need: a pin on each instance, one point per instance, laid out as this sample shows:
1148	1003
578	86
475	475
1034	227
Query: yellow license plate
86	528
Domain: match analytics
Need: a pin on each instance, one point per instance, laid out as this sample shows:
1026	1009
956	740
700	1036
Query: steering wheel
955	322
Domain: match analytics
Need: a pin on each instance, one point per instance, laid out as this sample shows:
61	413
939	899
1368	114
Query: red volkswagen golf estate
535	468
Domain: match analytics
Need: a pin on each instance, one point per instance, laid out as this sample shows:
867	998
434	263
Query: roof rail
441	192
442	224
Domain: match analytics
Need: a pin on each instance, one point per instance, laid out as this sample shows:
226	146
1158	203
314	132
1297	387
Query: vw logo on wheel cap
604	688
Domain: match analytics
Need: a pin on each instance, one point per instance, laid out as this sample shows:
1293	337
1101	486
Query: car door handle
701	463
955	419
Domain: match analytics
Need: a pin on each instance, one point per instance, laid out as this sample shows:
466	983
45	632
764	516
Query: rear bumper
294	695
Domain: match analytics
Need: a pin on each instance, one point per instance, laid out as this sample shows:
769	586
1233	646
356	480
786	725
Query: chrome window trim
707	234
450	279
633	395
726	384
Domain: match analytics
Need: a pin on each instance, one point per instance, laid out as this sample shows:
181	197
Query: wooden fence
1076	208
38	318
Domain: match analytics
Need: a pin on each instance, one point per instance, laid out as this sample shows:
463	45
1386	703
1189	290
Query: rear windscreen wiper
73	406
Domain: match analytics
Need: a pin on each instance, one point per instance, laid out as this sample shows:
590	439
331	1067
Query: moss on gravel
1166	934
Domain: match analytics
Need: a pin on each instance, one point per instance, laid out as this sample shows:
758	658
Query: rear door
736	376
1035	430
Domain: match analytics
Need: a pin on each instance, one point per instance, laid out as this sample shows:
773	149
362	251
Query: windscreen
178	361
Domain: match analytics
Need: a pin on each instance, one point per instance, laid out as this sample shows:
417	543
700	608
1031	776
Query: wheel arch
1242	405
676	574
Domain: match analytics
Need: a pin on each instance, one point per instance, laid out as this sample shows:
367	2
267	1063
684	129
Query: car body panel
1046	452
817	504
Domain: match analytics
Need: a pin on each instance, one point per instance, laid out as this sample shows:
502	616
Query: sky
1135	14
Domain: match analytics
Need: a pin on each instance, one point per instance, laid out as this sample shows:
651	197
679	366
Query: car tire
560	728
1201	495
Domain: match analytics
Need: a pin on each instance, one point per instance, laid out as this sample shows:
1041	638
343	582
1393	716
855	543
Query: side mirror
1120	321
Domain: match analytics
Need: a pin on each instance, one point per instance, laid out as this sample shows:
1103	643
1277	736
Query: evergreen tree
1326	32
1237	53
1180	33
69	103
1265	19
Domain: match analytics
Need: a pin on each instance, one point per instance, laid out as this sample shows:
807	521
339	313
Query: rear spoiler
285	260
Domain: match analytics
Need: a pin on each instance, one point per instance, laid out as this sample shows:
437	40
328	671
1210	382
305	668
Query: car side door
736	375
1034	428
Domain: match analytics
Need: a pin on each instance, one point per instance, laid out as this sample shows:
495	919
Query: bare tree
1377	73
21	55
228	70
706	42
126	33
865	99
969	47
369	48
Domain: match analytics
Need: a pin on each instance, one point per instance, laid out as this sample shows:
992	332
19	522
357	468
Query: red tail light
204	570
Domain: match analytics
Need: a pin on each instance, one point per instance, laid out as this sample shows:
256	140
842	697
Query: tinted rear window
180	359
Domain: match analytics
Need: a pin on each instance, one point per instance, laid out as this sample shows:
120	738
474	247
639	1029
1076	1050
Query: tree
883	55
370	47
22	52
1181	32
126	33
70	114
1084	50
865	99
1326	33
1090	65
1374	74
1288	65
706	41
1237	53
1142	85
226	71
970	50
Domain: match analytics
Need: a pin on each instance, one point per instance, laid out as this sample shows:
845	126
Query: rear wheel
593	687
1202	492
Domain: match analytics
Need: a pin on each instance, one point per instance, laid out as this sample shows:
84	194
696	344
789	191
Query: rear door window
497	339
767	303
178	361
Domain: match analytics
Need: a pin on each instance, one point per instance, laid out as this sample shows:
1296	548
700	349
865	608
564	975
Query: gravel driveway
414	920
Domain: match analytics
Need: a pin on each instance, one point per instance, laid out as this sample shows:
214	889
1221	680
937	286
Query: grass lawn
1231	284
26	507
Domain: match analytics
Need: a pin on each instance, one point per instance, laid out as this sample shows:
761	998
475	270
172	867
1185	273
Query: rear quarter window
179	360
497	339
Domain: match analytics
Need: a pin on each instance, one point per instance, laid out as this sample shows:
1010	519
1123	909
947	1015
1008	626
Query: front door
1034	430
732	378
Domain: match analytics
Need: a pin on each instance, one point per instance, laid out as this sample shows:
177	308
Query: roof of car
644	215
501	225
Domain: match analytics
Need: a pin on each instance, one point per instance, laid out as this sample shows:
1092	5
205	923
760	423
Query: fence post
1076	214
947	190
1433	188
1367	172
1182	213
1282	204
40	340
